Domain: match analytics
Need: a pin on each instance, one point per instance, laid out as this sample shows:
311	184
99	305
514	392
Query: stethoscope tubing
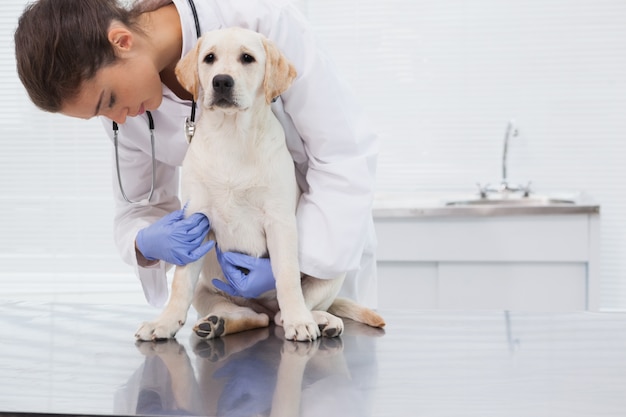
117	161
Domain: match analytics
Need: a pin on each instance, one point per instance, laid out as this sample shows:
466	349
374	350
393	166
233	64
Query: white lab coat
333	148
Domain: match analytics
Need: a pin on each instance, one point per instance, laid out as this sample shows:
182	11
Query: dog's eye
247	59
209	59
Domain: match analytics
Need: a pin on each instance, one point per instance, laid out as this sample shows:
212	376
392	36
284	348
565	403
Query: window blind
55	181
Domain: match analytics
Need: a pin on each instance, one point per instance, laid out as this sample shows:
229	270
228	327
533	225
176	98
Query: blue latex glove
175	239
247	276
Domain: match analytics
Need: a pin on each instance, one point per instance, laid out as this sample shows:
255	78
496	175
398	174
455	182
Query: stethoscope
190	127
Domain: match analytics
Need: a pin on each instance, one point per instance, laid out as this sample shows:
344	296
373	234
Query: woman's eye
209	59
247	59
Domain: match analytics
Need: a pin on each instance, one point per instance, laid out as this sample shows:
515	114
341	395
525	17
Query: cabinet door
543	286
519	286
407	285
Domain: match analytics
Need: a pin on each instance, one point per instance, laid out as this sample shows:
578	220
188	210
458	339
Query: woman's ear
120	37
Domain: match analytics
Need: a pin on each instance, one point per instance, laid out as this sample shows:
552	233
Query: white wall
440	78
443	77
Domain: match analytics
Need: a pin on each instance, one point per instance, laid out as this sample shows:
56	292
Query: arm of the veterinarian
342	152
334	213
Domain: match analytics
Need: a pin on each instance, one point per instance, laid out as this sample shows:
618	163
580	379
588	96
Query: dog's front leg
294	316
175	313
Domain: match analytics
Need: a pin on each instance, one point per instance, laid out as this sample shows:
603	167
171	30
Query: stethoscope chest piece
190	129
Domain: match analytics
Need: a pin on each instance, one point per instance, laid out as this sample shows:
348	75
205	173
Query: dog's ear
187	71
279	72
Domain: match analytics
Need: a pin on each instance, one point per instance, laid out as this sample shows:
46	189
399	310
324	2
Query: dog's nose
223	83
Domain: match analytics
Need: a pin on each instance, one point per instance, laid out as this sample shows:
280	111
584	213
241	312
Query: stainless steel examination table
82	359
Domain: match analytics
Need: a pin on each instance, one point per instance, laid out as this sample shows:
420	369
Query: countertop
82	359
426	205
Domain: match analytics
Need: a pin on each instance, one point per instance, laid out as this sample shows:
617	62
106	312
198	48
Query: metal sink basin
511	200
493	204
517	204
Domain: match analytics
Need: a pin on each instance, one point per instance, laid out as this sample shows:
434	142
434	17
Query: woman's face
124	89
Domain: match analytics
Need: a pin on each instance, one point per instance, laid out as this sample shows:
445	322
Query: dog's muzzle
223	86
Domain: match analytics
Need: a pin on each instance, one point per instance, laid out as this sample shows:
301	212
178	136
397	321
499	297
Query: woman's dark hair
59	44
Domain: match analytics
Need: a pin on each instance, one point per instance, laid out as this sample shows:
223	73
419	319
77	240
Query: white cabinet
545	262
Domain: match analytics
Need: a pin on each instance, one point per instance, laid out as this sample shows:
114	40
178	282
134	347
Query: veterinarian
95	58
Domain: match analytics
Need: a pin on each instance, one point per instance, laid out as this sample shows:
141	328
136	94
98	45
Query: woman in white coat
87	58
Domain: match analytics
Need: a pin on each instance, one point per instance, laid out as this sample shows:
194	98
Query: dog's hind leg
175	313
321	294
349	309
222	316
329	325
236	319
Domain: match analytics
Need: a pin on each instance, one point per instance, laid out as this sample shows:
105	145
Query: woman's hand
175	239
247	276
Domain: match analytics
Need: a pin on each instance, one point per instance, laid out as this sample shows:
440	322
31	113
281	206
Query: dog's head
229	69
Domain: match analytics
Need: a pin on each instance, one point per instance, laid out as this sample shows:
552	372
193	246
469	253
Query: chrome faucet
505	187
511	130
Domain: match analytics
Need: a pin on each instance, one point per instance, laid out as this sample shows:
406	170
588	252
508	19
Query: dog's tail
349	309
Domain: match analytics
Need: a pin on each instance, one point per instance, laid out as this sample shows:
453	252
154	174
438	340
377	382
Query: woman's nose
118	116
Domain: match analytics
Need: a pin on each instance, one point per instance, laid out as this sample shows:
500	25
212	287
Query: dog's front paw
158	330
301	331
302	328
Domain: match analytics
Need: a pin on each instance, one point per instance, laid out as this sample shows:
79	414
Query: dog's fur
239	173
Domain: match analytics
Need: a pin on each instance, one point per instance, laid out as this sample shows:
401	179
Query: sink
511	200
473	205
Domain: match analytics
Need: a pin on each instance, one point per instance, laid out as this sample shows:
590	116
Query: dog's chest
241	182
235	172
227	174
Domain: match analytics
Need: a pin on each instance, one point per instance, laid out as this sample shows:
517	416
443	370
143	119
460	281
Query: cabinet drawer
507	238
541	286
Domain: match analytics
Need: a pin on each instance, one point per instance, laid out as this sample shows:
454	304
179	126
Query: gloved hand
247	276
175	239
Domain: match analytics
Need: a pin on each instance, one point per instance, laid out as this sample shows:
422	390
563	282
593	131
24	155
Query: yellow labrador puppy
239	173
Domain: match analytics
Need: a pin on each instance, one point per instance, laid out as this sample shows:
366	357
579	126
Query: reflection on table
82	359
252	373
